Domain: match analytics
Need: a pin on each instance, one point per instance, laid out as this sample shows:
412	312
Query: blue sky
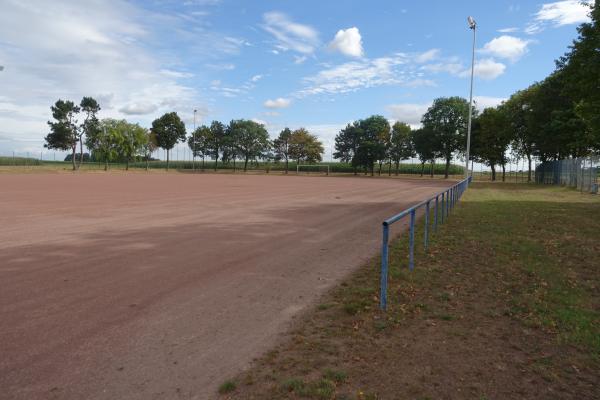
317	64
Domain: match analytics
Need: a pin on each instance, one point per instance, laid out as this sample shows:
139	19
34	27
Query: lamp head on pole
472	23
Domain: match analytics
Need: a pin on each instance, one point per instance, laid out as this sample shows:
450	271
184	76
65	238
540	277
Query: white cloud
222	66
355	75
59	49
290	35
278	103
507	47
348	42
409	113
487	69
138	108
450	67
484	102
508	30
427	56
299	59
256	78
559	13
419	82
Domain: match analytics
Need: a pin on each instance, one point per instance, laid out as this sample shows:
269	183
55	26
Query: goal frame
298	166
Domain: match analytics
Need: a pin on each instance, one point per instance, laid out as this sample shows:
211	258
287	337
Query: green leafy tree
200	141
447	118
64	133
491	137
424	145
401	146
305	147
347	142
169	130
580	68
133	139
218	140
519	108
281	147
106	141
90	123
375	133
149	146
249	138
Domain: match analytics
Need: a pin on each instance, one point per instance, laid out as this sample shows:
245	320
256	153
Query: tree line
119	140
554	119
372	142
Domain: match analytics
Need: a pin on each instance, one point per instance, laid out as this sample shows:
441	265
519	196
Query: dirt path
160	286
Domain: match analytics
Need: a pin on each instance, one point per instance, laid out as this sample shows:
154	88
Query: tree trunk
147	160
106	164
422	168
493	172
447	168
397	167
73	160
217	159
503	172
529	167
167	160
431	169
379	172
203	162
127	164
390	168
233	164
245	163
80	150
287	161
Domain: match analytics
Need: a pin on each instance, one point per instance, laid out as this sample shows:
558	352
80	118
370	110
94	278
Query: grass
227	387
505	304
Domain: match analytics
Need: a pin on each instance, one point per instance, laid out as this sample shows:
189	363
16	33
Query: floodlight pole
194	144
473	26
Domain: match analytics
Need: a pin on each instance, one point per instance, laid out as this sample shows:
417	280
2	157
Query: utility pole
473	26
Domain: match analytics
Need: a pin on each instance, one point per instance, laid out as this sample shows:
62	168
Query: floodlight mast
473	26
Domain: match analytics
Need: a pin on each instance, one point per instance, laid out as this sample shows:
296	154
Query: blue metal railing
444	202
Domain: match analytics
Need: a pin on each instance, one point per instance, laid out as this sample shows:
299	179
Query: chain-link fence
581	173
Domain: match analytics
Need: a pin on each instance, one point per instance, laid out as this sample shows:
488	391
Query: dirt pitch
160	286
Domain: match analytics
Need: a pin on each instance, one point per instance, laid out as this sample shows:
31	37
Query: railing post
435	218
426	235
411	259
384	267
443	206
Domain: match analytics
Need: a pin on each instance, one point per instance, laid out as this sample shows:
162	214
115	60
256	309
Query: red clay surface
140	286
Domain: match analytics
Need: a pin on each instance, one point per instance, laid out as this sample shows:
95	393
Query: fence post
411	260
426	225
443	206
435	218
384	267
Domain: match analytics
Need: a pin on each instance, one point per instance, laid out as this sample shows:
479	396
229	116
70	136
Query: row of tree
554	119
111	140
372	141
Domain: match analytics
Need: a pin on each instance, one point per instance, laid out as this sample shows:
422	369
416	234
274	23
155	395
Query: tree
281	146
519	108
304	146
580	68
199	142
401	147
169	130
491	137
374	140
63	131
250	138
149	146
133	139
424	144
346	144
447	118
90	123
218	140
106	141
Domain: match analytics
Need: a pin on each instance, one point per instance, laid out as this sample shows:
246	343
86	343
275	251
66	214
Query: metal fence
580	173
442	203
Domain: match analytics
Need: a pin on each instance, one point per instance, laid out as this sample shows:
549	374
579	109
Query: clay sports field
161	285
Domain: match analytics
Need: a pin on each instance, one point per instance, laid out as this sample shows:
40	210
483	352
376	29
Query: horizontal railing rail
444	202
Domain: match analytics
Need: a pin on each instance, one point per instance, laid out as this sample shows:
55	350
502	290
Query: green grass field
504	305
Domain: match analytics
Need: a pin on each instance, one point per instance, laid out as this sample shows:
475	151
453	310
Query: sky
313	64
